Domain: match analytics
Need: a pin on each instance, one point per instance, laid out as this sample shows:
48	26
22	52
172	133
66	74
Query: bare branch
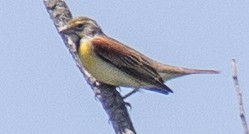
239	96
110	98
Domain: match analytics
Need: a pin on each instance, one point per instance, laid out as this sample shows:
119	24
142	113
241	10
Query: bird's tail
168	72
199	71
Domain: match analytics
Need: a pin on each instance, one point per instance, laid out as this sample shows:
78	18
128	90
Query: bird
114	63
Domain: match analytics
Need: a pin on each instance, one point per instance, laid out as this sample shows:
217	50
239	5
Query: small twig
239	96
109	97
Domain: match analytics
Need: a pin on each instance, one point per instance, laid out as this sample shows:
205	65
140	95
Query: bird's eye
80	26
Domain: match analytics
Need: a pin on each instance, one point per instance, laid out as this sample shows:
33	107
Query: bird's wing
127	60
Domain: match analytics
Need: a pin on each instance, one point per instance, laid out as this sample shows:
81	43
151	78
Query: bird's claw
127	104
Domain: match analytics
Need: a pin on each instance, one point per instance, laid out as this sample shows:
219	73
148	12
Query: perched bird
114	63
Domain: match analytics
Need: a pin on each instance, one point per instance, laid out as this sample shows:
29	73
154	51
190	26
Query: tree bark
109	97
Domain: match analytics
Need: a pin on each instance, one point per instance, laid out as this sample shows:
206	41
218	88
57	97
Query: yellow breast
101	70
86	54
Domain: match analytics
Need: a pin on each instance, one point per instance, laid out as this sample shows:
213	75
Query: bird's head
82	27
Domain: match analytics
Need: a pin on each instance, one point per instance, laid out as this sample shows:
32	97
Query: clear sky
43	92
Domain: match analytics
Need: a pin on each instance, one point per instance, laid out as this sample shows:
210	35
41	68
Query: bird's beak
64	29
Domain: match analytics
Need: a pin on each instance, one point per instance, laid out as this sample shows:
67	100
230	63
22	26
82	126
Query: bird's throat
86	54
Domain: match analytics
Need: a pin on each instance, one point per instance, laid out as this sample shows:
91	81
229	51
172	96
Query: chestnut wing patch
122	58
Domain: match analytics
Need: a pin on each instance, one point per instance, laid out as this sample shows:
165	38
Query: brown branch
239	96
110	98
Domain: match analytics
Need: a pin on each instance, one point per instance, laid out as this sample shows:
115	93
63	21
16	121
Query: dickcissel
114	63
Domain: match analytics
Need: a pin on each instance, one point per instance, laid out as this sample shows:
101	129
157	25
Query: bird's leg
130	93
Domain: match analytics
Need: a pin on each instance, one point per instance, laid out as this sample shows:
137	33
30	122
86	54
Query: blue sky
42	90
